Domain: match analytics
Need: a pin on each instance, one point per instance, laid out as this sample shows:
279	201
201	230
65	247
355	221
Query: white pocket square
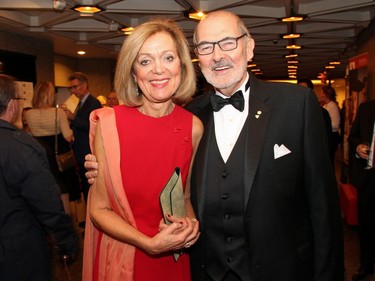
279	151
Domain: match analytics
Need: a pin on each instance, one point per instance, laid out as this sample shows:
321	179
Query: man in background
79	86
361	147
112	99
30	204
327	119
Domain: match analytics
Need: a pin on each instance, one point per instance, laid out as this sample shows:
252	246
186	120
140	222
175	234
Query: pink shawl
115	259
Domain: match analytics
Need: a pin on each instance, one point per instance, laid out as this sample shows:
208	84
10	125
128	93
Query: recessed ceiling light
291	56
197	15
127	30
87	9
291	35
81	53
294	47
292	18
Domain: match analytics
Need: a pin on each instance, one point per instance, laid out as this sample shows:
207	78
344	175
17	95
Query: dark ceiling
328	33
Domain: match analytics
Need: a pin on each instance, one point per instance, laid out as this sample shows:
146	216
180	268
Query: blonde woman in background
41	121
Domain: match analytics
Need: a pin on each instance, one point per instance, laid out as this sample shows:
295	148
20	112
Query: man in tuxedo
80	123
362	175
263	187
30	204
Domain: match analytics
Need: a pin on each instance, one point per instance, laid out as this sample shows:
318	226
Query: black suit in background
361	132
30	207
80	126
283	219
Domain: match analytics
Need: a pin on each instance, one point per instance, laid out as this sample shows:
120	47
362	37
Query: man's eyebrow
203	42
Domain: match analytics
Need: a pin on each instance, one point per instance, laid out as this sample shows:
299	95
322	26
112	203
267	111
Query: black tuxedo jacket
360	132
292	216
80	125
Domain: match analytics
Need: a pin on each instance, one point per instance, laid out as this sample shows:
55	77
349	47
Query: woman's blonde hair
44	95
125	85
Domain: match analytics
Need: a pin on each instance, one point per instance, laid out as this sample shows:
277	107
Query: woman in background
41	120
328	99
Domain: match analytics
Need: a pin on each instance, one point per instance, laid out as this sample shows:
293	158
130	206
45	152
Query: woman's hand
181	233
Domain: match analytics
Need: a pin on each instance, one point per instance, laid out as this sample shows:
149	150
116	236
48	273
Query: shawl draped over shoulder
104	258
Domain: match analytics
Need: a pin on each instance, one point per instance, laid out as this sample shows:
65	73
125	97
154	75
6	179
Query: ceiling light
335	62
292	61
196	15
252	65
255	70
293	47
87	9
81	53
195	60
293	18
291	56
330	66
291	35
292	66
127	30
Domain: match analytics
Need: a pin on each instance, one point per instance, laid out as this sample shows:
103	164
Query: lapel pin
258	114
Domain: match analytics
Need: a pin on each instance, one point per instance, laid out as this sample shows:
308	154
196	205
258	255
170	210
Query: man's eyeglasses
226	44
73	87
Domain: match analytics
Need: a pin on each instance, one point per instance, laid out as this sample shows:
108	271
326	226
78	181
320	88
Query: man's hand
363	151
91	165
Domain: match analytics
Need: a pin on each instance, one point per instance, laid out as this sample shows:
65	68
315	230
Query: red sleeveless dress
151	148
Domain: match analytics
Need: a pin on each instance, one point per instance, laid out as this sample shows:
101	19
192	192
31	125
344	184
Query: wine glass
368	152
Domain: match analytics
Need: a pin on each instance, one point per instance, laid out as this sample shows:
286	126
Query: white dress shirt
229	122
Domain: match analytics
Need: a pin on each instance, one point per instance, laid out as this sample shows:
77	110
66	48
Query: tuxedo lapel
257	127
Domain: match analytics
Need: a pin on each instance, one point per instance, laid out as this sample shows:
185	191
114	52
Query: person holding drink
361	143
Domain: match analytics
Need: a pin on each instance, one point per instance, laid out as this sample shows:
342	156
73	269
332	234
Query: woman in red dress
138	145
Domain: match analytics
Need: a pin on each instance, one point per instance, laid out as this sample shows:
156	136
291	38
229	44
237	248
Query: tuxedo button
224	196
229	259
227	217
224	174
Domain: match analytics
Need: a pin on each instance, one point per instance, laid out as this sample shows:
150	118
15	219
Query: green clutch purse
172	200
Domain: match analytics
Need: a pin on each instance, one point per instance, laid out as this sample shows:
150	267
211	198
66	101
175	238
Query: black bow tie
236	100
